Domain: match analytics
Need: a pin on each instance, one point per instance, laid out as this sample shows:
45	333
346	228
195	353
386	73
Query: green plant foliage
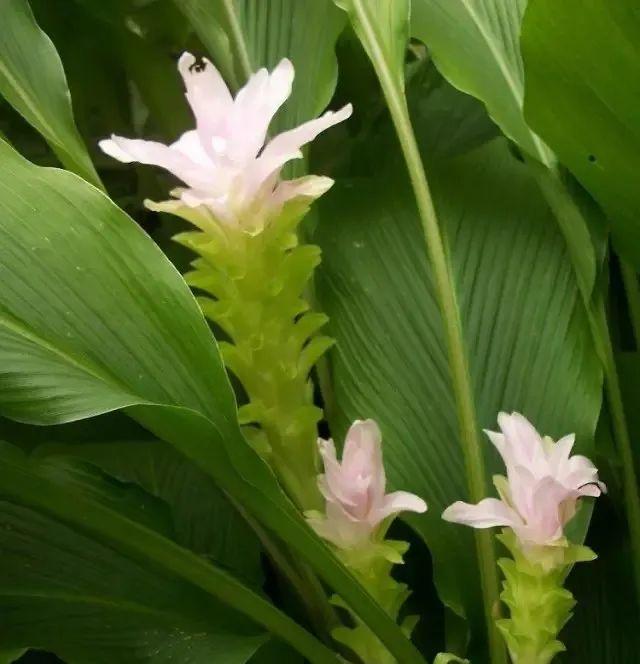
203	519
593	121
244	35
489	66
33	81
153	478
78	366
93	597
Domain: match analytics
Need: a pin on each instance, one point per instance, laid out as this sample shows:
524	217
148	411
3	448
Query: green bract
539	605
255	283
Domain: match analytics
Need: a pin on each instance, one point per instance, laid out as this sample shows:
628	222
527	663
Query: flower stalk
251	269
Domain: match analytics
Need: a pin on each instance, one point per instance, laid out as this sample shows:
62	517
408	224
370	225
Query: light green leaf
589	113
523	325
448	658
32	80
94	318
74	584
474	43
591	118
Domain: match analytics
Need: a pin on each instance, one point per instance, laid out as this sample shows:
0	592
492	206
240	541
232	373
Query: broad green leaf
582	86
523	323
94	318
32	80
598	114
203	520
74	583
244	35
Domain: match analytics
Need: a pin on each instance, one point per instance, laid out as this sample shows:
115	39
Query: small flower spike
354	489
357	514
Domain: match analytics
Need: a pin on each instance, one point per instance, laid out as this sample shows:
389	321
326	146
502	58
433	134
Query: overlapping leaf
71	583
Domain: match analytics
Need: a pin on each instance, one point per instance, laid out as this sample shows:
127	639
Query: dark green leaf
203	519
475	45
67	588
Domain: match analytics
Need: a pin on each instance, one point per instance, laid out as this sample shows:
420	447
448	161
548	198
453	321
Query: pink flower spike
224	162
542	488
354	489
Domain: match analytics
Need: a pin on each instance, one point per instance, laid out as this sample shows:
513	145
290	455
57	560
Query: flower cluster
224	161
540	493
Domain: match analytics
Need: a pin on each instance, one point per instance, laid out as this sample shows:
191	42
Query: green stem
632	289
447	301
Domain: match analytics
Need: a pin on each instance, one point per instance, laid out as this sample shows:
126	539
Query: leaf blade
32	80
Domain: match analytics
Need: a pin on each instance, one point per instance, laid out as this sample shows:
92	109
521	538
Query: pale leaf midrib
507	75
23	331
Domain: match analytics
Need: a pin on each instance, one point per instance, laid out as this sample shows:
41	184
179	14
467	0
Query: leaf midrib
22	330
507	75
